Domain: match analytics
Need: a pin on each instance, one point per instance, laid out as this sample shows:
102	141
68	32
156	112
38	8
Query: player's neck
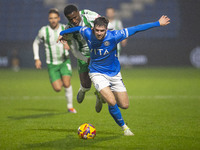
111	20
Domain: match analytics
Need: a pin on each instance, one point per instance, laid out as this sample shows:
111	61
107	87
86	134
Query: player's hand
164	20
63	41
59	38
38	64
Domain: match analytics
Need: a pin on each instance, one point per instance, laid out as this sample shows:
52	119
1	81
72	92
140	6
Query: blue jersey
103	53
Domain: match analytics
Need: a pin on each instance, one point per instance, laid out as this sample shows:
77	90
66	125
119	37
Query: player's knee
111	103
125	103
57	89
125	106
67	85
86	85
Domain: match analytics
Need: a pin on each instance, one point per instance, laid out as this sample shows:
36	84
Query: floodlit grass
164	112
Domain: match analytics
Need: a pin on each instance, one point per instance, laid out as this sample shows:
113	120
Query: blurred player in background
104	65
15	60
116	25
57	58
80	49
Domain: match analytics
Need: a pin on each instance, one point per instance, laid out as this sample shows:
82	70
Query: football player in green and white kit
78	44
57	58
116	25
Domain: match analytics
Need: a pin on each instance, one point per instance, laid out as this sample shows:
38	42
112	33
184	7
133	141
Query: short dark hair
54	10
69	9
101	21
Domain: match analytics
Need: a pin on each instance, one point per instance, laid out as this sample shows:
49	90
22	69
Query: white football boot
127	132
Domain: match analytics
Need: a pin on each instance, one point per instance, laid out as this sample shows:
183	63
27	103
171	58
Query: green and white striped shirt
55	52
117	25
75	40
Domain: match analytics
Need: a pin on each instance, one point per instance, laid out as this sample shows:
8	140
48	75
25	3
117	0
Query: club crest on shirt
106	43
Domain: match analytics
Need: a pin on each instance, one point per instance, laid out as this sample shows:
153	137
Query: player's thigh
57	85
66	81
101	83
66	73
83	74
119	90
122	99
55	76
85	79
117	83
108	96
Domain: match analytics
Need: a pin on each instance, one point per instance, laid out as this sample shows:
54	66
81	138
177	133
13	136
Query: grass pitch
164	112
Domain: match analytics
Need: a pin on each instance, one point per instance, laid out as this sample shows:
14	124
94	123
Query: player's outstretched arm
67	31
163	21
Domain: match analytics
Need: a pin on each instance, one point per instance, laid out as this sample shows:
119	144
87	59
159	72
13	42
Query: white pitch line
93	97
165	97
31	97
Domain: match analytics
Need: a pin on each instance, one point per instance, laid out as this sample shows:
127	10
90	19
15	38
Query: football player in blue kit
104	64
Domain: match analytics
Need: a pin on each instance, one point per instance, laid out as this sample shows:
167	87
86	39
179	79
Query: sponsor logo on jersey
99	51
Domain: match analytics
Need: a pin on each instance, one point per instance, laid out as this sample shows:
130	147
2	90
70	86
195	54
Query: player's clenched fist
164	20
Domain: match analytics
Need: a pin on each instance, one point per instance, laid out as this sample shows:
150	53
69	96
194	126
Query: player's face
74	18
110	13
54	20
100	32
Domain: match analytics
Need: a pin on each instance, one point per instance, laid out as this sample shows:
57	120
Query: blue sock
116	114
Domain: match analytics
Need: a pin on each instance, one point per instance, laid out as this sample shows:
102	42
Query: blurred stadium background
175	45
163	85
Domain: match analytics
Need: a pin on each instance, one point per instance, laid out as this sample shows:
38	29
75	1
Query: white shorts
101	81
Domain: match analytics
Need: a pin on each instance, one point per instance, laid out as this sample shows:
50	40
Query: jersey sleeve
142	27
69	38
78	54
85	32
90	15
39	39
70	30
40	35
120	35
